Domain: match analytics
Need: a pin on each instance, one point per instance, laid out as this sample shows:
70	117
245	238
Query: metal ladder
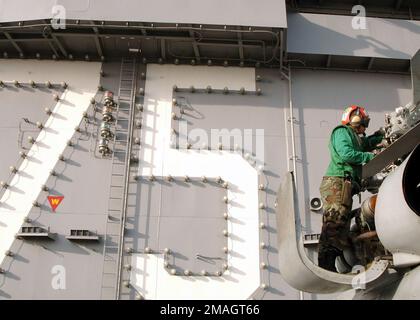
117	202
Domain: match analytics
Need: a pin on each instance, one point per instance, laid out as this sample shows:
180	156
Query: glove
385	143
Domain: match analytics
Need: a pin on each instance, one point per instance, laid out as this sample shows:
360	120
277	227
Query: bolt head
129	250
9	253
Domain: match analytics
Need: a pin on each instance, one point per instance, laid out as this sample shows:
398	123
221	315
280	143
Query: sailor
349	149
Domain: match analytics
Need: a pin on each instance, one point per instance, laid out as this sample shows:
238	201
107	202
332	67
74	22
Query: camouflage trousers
336	195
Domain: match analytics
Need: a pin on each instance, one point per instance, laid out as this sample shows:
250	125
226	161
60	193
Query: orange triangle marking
55	201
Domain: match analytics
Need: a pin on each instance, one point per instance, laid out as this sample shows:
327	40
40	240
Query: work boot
327	256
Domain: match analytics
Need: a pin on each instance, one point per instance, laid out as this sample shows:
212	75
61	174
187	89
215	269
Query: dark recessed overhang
394	9
99	40
348	63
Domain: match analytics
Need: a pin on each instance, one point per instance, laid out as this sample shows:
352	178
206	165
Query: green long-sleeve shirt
349	151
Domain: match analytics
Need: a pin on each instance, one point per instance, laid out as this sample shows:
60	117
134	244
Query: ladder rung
119	163
113	247
109	259
113	235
